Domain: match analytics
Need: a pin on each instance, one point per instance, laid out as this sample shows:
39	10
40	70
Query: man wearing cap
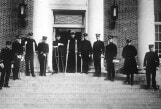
85	51
73	51
151	61
17	49
30	48
98	49
43	50
110	54
7	57
58	54
130	65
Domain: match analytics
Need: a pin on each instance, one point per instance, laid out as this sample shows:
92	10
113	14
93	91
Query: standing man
110	54
98	52
73	48
17	49
85	51
130	65
151	61
7	57
30	48
43	50
58	55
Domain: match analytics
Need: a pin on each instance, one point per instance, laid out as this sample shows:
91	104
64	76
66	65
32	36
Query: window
157	11
158	39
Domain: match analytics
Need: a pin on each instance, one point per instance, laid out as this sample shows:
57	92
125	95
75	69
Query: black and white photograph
80	54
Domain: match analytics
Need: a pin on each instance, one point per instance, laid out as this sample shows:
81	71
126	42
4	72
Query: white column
96	21
42	25
146	28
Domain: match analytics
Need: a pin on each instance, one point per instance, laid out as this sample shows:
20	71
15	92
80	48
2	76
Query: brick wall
126	25
9	20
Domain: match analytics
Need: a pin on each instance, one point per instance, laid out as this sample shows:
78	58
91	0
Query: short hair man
43	50
30	49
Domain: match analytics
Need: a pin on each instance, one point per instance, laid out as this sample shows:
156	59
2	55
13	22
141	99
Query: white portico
78	15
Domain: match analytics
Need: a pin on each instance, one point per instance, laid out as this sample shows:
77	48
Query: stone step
77	91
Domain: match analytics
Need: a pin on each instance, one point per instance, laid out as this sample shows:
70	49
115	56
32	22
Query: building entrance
61	55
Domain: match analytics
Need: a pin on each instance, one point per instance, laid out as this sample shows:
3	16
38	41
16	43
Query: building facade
138	20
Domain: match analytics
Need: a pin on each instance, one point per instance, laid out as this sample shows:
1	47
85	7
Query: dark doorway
65	36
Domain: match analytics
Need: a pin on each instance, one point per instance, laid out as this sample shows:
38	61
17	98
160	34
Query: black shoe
127	82
16	78
27	75
112	80
0	88
147	87
156	88
7	86
33	75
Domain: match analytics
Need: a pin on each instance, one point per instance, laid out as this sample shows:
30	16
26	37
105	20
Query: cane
62	56
45	65
81	64
67	56
76	55
56	58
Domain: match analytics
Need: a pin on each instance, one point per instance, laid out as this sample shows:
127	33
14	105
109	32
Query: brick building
139	20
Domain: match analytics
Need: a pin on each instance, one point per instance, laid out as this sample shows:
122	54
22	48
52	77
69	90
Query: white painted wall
42	25
43	18
146	28
95	19
69	4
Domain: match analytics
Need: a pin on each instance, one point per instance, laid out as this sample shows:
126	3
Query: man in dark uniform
58	55
43	50
86	51
73	51
151	61
30	49
7	57
17	49
130	65
98	49
110	54
1	70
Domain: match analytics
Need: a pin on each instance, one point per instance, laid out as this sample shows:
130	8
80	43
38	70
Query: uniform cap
128	40
18	37
8	42
151	46
57	35
98	35
72	33
44	38
110	37
30	34
85	34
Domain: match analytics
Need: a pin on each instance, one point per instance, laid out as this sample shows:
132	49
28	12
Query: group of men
73	55
12	54
83	49
67	56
